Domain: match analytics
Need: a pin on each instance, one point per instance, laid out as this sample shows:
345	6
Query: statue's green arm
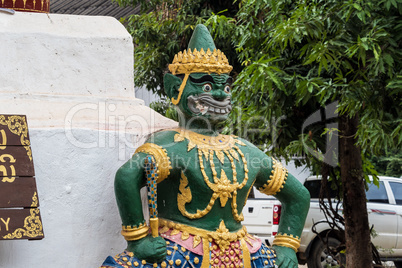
127	185
129	180
295	199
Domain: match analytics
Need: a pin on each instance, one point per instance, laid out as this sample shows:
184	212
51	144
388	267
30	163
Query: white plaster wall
73	78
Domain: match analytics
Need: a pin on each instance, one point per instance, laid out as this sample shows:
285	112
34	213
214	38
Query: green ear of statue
171	84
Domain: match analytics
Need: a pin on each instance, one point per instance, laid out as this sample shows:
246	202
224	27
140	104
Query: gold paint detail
161	158
277	179
35	201
205	259
3	138
200	62
32	227
285	240
181	89
18	126
185	236
208	147
178	262
135	233
163	264
245	254
154	224
144	262
221	236
4	170
196	241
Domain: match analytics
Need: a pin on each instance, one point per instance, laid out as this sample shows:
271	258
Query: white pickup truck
384	204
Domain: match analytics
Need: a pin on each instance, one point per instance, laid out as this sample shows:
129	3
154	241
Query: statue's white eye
227	89
207	87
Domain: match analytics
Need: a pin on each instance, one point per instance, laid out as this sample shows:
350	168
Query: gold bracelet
135	233
285	240
276	180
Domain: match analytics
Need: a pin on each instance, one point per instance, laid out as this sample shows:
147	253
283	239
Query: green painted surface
201	39
130	177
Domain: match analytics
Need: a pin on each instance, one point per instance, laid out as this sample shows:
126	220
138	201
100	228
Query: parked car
262	216
384	204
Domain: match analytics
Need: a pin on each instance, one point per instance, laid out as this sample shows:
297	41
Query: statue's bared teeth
223	111
211	109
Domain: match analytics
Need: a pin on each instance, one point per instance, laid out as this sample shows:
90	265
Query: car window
314	186
397	190
377	194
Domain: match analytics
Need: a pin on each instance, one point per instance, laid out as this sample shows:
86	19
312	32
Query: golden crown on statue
200	61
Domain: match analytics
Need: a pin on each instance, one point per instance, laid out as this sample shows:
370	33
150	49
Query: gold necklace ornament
223	188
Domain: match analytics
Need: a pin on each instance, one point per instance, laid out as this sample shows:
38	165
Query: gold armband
285	240
135	233
276	180
161	158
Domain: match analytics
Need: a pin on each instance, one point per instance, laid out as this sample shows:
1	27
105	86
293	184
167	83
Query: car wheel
320	258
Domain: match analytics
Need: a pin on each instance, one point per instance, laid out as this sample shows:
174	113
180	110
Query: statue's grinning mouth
205	103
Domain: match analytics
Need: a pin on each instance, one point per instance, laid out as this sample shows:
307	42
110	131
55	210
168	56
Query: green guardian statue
198	180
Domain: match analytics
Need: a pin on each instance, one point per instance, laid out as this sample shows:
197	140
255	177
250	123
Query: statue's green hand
285	257
151	249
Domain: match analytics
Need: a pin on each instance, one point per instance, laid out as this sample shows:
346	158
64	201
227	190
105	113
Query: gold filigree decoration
35	200
222	237
276	181
208	147
32	227
286	240
162	159
18	126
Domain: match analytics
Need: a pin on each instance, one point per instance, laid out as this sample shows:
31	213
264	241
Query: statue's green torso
185	196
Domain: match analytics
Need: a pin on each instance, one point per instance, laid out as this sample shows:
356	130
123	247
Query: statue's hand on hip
151	249
285	257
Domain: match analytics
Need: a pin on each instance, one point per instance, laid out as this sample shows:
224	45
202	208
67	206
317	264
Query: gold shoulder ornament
161	158
276	180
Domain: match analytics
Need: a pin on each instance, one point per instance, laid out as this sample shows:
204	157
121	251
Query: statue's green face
206	95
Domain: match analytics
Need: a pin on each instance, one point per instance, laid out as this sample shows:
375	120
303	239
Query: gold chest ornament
222	187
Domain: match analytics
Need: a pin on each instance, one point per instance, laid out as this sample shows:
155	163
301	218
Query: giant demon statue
201	180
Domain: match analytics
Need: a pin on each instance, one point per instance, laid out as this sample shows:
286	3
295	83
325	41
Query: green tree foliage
164	27
389	164
317	52
291	58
